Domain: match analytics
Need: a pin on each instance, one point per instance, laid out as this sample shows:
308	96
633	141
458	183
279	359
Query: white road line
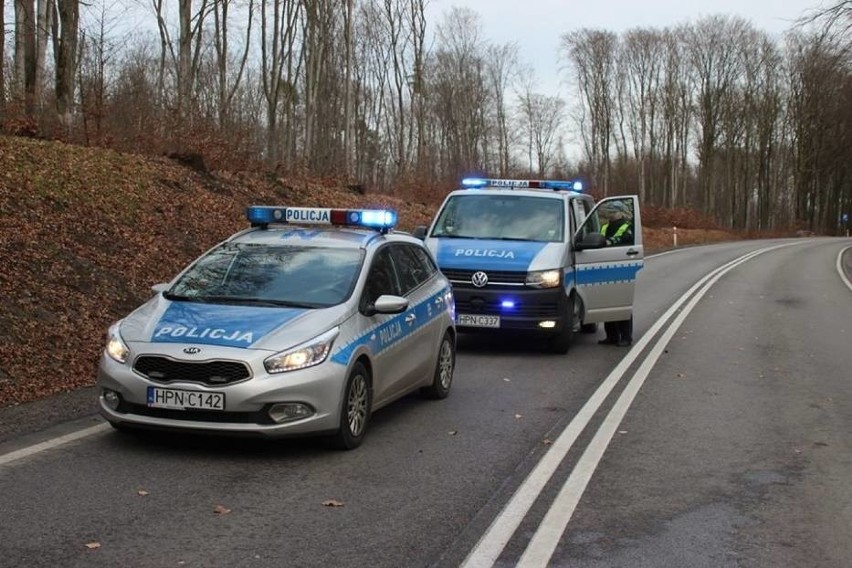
547	536
492	543
840	268
50	444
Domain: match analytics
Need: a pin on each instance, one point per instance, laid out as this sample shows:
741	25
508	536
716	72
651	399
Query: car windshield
310	277
506	217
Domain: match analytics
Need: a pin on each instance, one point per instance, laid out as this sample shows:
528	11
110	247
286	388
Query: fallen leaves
332	503
93	545
96	228
221	510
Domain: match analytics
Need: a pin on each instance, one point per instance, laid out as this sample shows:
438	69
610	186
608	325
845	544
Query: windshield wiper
180	298
451	236
257	301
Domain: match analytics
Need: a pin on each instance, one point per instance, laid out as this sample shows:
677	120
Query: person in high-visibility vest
618	231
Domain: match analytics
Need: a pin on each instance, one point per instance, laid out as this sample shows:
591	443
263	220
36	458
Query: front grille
217	416
538	310
214	373
495	277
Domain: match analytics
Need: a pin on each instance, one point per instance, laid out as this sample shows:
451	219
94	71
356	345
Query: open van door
608	253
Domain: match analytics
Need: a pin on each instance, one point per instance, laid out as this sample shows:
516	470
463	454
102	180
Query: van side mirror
420	232
590	241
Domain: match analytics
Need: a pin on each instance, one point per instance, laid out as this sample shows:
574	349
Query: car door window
411	267
381	279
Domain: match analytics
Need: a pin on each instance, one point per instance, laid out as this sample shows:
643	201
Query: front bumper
246	402
530	307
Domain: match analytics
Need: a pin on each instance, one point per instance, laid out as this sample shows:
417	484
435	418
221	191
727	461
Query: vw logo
479	279
192	350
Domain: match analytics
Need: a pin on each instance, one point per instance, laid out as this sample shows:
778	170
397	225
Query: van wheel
444	368
355	415
562	340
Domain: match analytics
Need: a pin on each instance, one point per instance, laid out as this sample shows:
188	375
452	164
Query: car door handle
632	252
410	318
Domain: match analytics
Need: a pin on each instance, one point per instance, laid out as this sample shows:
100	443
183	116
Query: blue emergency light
556	185
379	219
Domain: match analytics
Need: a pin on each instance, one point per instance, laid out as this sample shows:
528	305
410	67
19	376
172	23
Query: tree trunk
65	51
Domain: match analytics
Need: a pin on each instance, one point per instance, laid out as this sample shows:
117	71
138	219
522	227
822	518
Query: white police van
530	256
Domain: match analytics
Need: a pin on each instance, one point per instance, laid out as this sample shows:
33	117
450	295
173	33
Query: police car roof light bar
556	185
382	220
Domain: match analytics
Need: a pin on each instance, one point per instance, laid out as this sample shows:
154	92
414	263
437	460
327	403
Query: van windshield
502	217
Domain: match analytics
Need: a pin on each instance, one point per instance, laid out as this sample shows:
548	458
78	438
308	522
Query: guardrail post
674	236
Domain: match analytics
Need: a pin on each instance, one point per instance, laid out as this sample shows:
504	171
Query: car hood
248	327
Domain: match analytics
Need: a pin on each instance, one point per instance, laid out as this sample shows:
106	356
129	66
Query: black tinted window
381	279
411	267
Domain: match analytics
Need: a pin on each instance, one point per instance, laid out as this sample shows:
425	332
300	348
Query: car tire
560	342
356	410
442	380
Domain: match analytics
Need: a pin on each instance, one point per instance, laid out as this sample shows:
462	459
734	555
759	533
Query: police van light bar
556	185
380	219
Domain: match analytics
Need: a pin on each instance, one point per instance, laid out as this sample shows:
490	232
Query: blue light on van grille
507	304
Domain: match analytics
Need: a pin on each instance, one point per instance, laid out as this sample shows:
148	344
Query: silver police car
304	323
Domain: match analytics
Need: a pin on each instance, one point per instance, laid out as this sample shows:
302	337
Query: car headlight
307	354
115	347
544	278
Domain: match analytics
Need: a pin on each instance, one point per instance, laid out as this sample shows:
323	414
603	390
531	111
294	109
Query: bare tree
592	53
541	117
2	62
25	55
461	96
279	54
502	71
227	85
65	34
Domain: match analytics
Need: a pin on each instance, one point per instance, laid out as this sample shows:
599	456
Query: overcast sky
537	25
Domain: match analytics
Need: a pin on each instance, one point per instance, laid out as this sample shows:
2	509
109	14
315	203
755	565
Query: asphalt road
720	439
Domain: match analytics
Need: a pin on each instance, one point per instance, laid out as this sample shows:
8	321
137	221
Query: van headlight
115	347
544	278
302	356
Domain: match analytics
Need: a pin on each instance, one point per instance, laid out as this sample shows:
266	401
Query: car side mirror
420	232
387	304
590	241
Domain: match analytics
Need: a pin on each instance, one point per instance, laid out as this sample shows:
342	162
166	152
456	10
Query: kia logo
192	350
479	279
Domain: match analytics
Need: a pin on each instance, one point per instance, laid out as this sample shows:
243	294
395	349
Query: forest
750	130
